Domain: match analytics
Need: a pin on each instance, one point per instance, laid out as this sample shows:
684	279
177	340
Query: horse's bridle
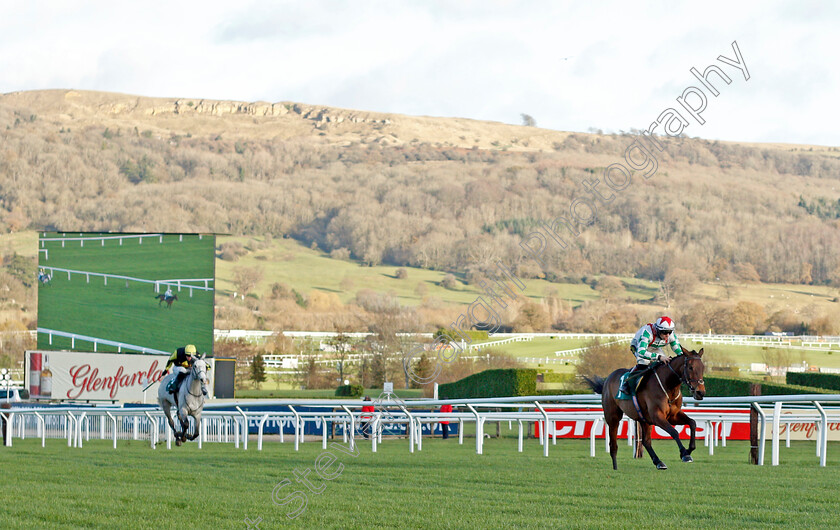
192	368
684	377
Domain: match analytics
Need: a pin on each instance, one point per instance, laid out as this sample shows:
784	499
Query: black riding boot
625	386
178	380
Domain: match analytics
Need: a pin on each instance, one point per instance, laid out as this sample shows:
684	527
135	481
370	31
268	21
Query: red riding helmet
664	323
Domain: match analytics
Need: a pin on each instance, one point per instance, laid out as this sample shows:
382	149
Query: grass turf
446	485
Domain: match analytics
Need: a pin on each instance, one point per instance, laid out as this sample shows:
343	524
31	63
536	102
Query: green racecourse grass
126	311
445	485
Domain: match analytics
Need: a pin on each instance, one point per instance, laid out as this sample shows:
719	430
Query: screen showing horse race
131	293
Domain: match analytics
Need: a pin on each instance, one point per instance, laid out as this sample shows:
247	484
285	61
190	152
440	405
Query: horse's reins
683	379
188	388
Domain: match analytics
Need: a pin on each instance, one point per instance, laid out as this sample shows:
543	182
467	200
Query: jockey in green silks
646	347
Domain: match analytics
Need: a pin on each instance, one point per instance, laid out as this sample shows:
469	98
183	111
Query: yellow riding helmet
190	349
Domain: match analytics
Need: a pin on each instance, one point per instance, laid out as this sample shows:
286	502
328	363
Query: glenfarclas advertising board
64	375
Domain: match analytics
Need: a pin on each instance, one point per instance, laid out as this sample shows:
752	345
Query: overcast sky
572	66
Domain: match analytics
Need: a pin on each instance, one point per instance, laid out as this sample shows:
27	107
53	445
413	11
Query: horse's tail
596	384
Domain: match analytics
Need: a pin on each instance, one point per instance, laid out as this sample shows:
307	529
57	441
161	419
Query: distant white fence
96	341
102	239
178	283
480	346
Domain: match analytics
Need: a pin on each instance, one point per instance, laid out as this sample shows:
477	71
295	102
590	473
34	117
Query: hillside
370	190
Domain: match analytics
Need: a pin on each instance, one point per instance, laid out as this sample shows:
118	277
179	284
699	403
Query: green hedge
551	377
560	392
492	383
350	391
815	379
730	387
475	335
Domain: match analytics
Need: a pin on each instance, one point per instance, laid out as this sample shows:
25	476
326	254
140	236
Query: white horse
190	399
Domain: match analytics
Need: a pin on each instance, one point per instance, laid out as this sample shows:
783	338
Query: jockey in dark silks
182	359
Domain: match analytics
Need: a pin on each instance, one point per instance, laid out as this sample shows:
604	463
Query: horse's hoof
178	443
661	465
687	458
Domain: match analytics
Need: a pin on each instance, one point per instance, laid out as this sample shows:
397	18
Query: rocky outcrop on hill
90	104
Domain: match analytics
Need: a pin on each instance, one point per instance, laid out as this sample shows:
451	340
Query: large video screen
132	293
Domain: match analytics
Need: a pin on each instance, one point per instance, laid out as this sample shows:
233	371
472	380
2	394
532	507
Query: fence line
96	340
156	283
101	239
522	338
75	424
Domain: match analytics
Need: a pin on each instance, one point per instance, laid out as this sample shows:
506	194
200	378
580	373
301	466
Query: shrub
401	273
493	383
814	379
350	391
730	387
340	253
449	282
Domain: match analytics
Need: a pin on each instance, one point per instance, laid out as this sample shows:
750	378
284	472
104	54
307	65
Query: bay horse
660	402
163	298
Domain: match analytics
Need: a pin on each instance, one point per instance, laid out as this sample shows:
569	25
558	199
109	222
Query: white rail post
152	429
545	431
199	430
79	429
710	436
282	421
520	436
460	431
822	440
43	426
418	422
409	428
114	424
260	432
71	428
762	420
777	413
244	430
478	434
323	432
592	436
297	427
375	435
235	432
168	436
352	437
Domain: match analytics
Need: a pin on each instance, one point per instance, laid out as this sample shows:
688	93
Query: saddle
175	383
637	379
